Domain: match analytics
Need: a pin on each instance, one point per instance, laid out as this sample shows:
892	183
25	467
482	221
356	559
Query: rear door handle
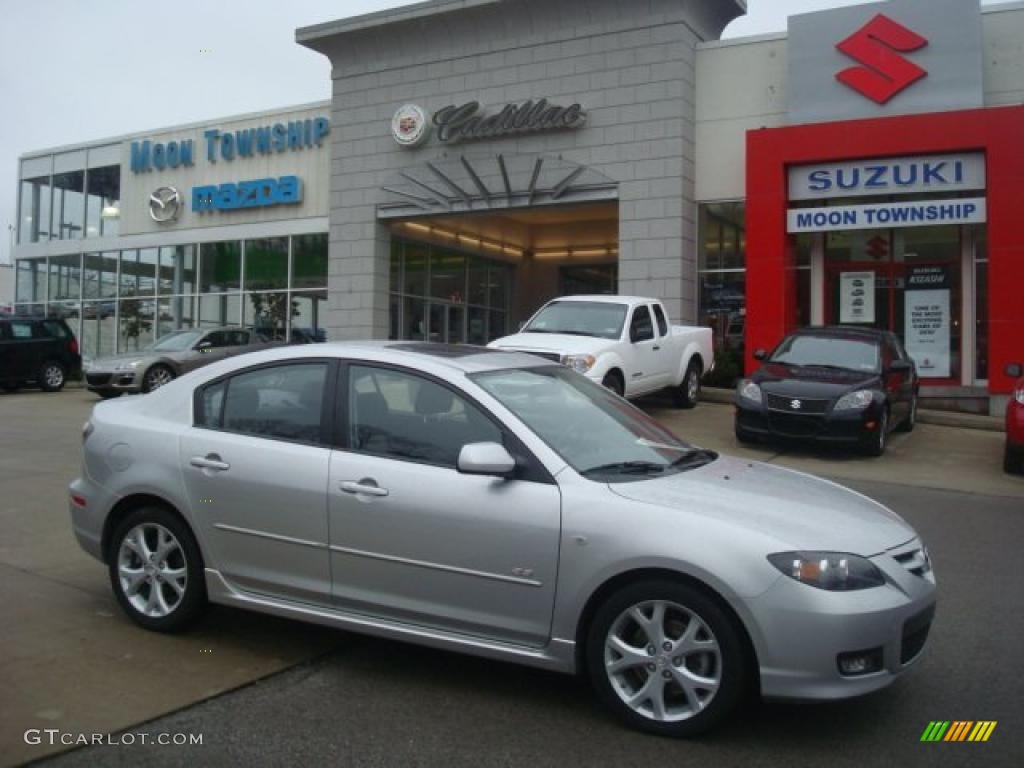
363	488
211	461
656	349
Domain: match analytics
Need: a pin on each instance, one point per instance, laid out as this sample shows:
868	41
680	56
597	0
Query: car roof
603	298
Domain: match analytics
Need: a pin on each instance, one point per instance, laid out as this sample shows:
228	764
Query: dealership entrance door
909	281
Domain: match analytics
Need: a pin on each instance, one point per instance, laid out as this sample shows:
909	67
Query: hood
115	360
562	343
806	512
810	382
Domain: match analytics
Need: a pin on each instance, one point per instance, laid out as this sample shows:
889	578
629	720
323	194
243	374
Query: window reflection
68	205
177	270
266	264
35	210
221	267
103	201
100	276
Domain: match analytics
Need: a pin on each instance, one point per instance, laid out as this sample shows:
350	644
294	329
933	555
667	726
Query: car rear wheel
156	570
666	658
613	381
907	425
1013	460
51	376
688	391
109	395
156	377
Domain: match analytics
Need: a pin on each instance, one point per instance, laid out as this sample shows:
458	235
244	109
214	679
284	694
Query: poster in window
927	320
857	297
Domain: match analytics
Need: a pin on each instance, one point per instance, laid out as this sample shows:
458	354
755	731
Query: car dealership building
479	157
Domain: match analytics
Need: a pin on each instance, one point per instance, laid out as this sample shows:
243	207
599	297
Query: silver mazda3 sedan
497	504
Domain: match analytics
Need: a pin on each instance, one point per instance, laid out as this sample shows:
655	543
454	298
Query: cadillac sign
469	121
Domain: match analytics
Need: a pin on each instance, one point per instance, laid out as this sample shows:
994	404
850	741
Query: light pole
10	245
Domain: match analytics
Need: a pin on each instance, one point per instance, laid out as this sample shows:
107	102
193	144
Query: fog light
857	663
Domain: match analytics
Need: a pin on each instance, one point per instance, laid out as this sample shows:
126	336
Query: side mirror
760	354
486	459
901	366
1015	370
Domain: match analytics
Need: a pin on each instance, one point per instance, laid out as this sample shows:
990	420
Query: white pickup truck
622	342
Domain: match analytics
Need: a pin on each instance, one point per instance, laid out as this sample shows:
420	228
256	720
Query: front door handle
657	348
210	461
364	488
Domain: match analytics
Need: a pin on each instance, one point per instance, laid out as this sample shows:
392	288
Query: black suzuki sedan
840	385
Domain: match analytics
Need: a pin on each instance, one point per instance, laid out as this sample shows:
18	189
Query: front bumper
113	381
802	630
844	427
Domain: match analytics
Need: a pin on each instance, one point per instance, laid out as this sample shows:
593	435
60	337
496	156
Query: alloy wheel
883	429
692	385
157	377
152	570
53	376
663	661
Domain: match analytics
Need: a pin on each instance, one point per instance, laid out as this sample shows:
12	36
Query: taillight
73	346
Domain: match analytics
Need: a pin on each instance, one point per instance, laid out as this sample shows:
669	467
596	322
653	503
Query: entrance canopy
464	184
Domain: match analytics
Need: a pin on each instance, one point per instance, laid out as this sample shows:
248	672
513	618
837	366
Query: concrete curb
940	418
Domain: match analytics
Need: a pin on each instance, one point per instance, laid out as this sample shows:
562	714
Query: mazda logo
164	205
796	405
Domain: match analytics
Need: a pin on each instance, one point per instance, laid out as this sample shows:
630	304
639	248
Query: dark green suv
37	349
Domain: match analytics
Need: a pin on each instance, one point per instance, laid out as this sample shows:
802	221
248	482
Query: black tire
192	600
908	424
154	377
688	391
745	437
51	376
613	381
733	673
108	395
876	443
10	386
1013	461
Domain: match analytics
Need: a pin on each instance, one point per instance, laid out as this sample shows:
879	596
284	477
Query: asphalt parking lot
70	660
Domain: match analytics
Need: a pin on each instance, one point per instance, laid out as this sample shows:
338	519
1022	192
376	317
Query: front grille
789	425
915	635
796	404
97	379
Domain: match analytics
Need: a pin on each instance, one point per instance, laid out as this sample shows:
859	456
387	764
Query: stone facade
631	66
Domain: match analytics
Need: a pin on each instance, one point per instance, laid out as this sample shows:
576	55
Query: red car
1013	459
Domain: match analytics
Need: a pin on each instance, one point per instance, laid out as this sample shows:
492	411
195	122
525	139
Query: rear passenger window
659	315
280	402
55	330
404	416
21	330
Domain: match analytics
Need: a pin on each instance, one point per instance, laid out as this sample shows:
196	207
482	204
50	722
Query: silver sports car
170	356
497	504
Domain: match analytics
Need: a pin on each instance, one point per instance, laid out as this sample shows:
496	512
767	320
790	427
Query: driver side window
641	328
411	418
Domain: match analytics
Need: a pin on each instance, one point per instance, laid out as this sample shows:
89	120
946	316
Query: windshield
177	341
828	352
598	434
580	318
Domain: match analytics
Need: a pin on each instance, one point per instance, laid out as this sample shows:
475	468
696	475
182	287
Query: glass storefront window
396	267
590	280
35	210
722	235
981	304
68	205
175	313
103	201
138	272
99	332
29	280
415	278
100	276
136	323
414	320
268	313
309	261
448	276
221	267
220	309
177	270
266	264
65	278
309	314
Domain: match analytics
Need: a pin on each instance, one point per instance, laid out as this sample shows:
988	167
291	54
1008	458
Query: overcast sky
73	71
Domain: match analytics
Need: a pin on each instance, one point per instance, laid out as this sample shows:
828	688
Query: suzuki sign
896	57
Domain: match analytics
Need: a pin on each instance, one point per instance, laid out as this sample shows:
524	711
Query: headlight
579	363
128	366
749	391
855	401
832	571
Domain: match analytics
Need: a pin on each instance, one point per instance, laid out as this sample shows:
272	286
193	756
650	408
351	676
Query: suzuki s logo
877	46
796	405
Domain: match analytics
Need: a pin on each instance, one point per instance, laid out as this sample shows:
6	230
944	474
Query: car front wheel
1013	460
156	377
613	381
666	658
51	376
156	570
876	442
